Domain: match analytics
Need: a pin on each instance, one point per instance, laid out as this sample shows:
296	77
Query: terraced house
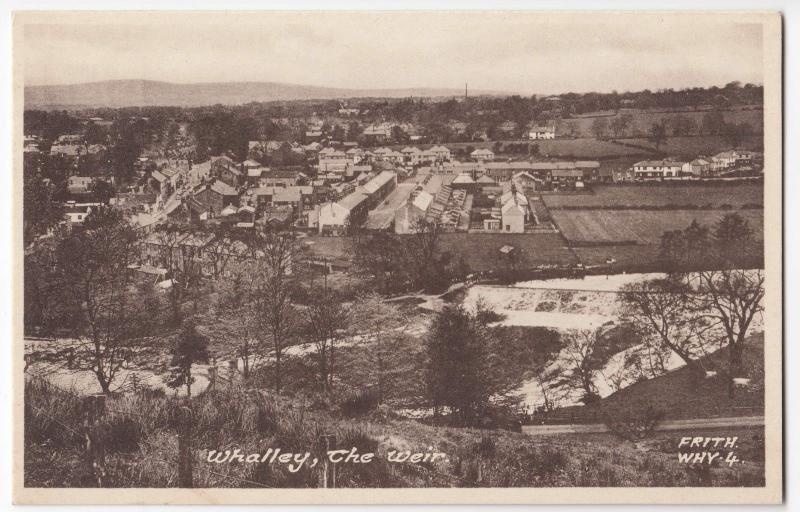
657	169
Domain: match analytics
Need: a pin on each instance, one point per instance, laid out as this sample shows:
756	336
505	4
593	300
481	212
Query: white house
440	153
513	217
482	155
542	132
657	169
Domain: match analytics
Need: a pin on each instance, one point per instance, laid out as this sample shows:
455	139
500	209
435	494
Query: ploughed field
638	226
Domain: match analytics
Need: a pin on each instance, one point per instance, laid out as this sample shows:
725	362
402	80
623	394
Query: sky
525	53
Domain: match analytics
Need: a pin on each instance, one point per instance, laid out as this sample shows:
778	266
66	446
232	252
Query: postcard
397	257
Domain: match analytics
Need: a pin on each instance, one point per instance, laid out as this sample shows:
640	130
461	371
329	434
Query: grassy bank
142	448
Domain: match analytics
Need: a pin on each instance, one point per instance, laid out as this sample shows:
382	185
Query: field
692	147
642	121
626	256
481	251
701	195
637	226
584	148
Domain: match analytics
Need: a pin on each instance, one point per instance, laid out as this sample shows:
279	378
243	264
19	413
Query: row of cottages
352	210
334	160
412	155
559	174
657	169
700	167
542	132
190	253
299	197
580	170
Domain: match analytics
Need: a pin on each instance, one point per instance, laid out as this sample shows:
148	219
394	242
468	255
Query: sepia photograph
397	257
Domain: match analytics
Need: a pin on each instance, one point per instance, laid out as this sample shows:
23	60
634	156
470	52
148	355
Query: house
295	196
166	179
411	155
332	160
727	159
227	170
76	213
71	138
67	150
79	184
279	178
414	210
250	164
482	155
542	132
440	153
507	128
745	157
254	174
377	133
485	181
527	182
698	167
514	211
567	177
463	182
347	112
354	155
657	169
313	135
215	196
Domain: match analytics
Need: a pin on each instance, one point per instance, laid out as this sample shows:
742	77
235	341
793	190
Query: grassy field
637	226
626	256
479	250
642	121
692	147
705	195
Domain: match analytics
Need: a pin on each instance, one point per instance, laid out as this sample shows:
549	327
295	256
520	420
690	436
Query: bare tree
327	318
273	285
382	327
734	297
113	314
667	313
235	315
584	356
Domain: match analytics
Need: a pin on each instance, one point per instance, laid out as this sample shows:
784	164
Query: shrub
360	403
633	423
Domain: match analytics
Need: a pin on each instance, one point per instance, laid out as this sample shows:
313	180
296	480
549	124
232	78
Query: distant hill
128	93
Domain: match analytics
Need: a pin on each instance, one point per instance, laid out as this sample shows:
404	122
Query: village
318	253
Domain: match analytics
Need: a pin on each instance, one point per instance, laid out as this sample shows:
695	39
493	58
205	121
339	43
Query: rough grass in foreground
142	448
